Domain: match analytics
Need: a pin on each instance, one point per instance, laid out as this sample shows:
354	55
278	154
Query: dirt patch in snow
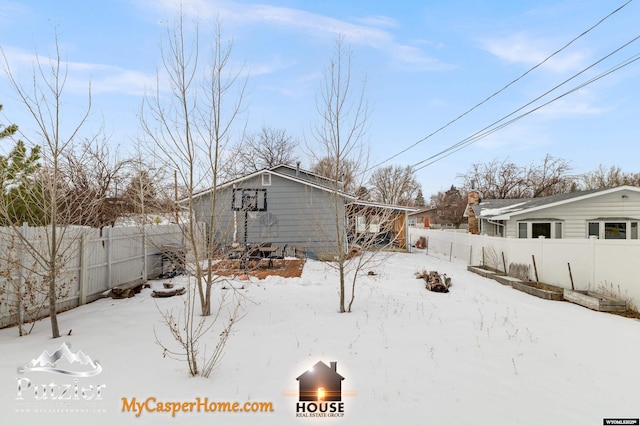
287	268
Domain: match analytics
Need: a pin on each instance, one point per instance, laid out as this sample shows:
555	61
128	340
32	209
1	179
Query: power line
491	129
532	101
503	88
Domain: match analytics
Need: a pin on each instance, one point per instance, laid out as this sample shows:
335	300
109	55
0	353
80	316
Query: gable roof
504	209
422	210
282	175
383	206
302	171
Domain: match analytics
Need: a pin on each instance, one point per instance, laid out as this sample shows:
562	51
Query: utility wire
502	89
491	129
531	102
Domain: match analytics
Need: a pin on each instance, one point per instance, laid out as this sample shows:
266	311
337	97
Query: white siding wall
577	214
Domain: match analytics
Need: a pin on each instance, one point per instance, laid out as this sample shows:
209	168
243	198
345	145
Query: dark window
615	230
594	229
540	229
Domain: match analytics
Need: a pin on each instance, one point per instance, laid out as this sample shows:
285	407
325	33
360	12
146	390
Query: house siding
575	215
300	215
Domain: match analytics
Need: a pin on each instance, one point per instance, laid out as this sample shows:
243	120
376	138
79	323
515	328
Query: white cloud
103	78
521	136
378	21
580	103
365	31
523	49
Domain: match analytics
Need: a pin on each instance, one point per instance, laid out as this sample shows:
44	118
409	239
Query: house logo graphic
46	362
320	391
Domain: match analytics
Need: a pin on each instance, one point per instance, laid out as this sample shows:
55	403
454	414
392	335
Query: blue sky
425	63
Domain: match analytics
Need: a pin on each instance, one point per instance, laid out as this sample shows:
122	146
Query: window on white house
532	229
266	179
540	230
619	230
522	230
615	230
558	229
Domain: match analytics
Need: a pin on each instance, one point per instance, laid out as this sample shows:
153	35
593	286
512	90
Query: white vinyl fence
94	261
594	263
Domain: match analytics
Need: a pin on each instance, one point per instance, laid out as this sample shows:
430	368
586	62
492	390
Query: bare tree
501	179
550	177
43	99
343	174
394	185
450	206
90	175
194	125
496	180
339	143
608	178
268	148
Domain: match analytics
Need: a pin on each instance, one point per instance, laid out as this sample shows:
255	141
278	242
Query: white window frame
555	225
631	228
266	179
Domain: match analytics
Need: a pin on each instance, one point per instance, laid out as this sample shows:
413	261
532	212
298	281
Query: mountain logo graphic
46	363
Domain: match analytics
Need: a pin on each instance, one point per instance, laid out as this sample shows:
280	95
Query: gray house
612	213
282	205
285	205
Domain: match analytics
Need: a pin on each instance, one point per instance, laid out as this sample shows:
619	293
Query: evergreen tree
419	201
21	193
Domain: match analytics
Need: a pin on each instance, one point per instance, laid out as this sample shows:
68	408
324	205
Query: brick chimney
334	366
473	199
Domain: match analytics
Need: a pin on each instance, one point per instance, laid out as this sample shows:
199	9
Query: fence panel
93	260
594	263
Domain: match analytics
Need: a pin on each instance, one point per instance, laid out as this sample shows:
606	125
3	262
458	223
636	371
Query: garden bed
507	280
484	271
541	290
595	301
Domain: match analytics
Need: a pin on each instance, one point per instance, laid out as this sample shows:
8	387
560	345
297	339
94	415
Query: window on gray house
594	229
634	230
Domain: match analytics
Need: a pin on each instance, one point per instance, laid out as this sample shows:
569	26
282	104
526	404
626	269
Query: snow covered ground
483	354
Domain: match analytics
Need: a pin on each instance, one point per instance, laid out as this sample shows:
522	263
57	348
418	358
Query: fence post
21	280
83	281
592	242
109	260
144	253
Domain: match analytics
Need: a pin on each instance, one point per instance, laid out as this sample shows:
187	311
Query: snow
481	354
502	210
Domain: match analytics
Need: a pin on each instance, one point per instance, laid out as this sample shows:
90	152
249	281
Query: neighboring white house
612	213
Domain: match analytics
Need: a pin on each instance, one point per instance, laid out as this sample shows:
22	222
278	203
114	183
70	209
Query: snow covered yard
481	354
